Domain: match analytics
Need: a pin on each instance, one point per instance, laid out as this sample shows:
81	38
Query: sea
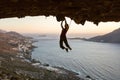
101	61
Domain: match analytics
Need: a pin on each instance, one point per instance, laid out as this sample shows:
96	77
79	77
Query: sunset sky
49	25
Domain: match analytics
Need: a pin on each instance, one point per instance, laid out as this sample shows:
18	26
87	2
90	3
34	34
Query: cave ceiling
78	10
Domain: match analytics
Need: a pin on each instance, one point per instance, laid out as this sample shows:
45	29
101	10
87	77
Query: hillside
112	37
16	62
8	41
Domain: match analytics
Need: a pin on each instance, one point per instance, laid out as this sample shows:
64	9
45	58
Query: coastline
56	69
61	70
20	66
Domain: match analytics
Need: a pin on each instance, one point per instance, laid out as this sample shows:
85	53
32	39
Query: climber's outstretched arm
65	21
62	25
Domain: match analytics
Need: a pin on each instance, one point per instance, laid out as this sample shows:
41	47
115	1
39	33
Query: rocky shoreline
16	62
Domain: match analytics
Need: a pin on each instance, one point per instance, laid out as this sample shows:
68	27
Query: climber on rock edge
63	38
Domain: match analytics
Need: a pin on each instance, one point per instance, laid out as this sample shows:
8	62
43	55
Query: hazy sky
49	25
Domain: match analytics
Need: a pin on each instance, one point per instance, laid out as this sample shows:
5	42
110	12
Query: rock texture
77	10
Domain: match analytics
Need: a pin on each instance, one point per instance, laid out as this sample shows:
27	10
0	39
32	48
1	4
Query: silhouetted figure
63	38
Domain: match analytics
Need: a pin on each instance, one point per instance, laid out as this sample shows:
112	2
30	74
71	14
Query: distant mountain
77	38
14	34
2	31
112	37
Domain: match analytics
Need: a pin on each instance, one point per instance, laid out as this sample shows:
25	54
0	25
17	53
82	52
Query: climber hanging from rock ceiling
63	38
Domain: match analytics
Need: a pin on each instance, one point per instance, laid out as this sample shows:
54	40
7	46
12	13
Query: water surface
99	60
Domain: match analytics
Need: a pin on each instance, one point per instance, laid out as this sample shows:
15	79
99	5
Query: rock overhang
77	10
